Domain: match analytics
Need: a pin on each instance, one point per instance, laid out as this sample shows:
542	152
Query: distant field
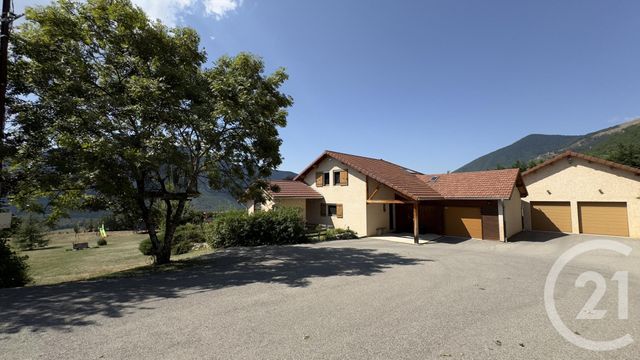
58	263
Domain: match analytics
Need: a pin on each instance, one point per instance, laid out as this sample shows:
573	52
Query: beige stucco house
576	193
373	196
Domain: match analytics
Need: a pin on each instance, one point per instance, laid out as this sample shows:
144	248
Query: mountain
541	147
216	200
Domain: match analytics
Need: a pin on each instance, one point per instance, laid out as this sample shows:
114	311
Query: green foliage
30	235
145	247
276	227
121	113
14	270
521	165
102	242
340	234
626	154
185	237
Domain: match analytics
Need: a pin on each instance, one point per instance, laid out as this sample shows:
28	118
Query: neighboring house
374	196
576	193
290	194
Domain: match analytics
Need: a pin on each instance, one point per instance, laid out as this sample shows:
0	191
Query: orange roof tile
292	189
491	184
399	178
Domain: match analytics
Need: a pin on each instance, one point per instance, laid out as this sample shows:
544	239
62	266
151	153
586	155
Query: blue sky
430	84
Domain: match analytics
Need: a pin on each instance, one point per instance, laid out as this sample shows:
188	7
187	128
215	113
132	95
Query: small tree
30	235
76	230
13	267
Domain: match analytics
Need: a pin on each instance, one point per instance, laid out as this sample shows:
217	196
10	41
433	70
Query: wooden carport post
416	235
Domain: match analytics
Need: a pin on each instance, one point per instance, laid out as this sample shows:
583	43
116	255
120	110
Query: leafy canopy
113	111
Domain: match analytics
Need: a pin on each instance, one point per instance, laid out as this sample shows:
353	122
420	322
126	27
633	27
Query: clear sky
430	84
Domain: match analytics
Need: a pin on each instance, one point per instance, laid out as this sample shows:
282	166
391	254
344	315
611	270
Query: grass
57	263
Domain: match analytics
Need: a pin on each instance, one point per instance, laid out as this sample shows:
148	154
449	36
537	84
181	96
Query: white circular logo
588	311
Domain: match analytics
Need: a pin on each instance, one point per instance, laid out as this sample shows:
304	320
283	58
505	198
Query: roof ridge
376	159
582	156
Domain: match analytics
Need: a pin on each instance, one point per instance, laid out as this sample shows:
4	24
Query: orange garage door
603	218
551	216
463	221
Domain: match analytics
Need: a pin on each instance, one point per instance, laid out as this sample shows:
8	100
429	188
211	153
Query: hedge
279	226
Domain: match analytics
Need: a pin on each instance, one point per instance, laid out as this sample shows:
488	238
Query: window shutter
319	179
323	209
339	211
344	178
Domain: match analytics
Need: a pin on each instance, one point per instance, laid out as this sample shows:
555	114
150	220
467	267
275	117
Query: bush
30	235
277	227
145	247
185	237
13	267
340	234
102	242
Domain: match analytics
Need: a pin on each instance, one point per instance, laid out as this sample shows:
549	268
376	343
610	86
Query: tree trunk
163	255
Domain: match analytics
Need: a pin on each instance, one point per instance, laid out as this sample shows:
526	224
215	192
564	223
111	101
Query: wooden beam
375	191
416	227
387	202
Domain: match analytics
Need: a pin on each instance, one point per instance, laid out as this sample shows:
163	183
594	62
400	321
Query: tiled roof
593	159
293	189
399	178
491	184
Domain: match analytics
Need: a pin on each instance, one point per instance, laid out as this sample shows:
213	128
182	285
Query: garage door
603	218
463	221
551	216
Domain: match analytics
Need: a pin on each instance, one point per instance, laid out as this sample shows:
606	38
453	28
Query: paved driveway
360	299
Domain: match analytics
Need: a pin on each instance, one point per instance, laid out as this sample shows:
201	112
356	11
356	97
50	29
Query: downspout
504	222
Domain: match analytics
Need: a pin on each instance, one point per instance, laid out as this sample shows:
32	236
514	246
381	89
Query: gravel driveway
358	299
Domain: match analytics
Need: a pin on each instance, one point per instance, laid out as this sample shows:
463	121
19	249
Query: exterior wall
352	197
584	181
300	204
378	214
251	206
512	214
281	202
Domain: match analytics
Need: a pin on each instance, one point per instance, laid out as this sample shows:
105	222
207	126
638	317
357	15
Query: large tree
111	110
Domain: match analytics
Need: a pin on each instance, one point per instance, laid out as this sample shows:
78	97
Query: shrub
185	237
340	234
102	242
13	267
277	227
30	235
145	247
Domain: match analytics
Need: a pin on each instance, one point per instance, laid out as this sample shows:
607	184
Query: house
576	193
373	196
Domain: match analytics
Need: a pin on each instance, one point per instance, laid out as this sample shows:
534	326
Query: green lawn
58	263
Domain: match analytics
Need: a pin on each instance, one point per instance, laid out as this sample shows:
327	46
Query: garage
603	218
551	216
463	221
